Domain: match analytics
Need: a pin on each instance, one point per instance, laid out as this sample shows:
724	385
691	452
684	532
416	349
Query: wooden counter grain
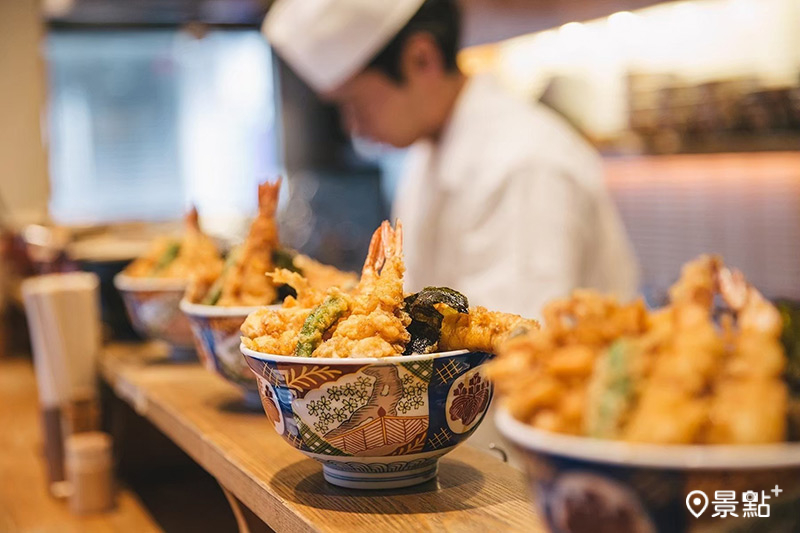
25	503
200	412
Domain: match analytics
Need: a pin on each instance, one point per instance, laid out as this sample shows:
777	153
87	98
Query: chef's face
376	107
382	109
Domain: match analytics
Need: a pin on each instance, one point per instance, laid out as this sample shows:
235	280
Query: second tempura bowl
374	423
217	338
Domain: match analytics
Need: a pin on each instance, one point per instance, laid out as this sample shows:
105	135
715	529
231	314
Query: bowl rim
124	282
214	311
395	359
658	456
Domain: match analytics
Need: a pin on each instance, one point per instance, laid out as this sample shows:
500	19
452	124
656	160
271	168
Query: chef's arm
533	242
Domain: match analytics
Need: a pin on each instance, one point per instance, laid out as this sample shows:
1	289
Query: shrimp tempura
246	282
376	325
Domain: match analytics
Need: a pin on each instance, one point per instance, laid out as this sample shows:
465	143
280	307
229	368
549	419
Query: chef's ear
421	56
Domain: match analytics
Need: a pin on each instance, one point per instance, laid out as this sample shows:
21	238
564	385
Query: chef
501	200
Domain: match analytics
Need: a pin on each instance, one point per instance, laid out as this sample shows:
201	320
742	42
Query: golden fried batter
322	277
193	256
673	376
274	331
481	330
245	282
247	278
544	375
371	320
307	296
376	324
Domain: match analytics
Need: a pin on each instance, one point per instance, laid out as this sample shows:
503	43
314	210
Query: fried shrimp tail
376	325
192	219
755	313
245	282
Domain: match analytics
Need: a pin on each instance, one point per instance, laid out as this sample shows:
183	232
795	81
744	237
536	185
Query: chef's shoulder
514	137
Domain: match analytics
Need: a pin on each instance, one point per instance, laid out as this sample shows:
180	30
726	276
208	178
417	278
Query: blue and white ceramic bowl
153	307
374	423
217	337
583	485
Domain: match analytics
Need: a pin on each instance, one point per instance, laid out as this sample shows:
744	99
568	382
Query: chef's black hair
439	18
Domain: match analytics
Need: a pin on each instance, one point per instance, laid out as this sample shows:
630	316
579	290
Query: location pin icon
697	502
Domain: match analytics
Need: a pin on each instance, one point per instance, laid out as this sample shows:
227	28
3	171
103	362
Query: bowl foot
379	480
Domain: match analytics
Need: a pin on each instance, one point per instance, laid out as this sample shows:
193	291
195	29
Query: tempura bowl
217	336
582	484
374	423
153	308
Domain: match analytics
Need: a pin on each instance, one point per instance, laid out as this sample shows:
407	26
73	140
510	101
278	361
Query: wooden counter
201	414
25	504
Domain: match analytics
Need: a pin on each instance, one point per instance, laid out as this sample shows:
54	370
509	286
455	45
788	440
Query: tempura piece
376	324
611	391
673	376
305	295
427	309
751	399
274	331
247	278
374	319
162	251
684	364
246	282
322	276
697	282
481	330
193	256
544	375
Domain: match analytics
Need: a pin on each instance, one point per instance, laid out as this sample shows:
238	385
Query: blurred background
119	115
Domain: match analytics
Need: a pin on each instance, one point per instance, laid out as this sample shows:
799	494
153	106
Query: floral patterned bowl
374	423
153	307
590	485
217	338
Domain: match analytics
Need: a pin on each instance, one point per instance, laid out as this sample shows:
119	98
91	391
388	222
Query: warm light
478	59
572	29
695	41
623	19
57	8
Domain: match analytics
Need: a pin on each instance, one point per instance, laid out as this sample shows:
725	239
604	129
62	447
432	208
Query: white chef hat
328	41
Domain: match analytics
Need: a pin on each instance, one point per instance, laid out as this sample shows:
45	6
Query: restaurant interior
125	122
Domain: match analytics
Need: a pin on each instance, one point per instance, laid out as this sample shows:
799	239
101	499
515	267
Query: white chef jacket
510	208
